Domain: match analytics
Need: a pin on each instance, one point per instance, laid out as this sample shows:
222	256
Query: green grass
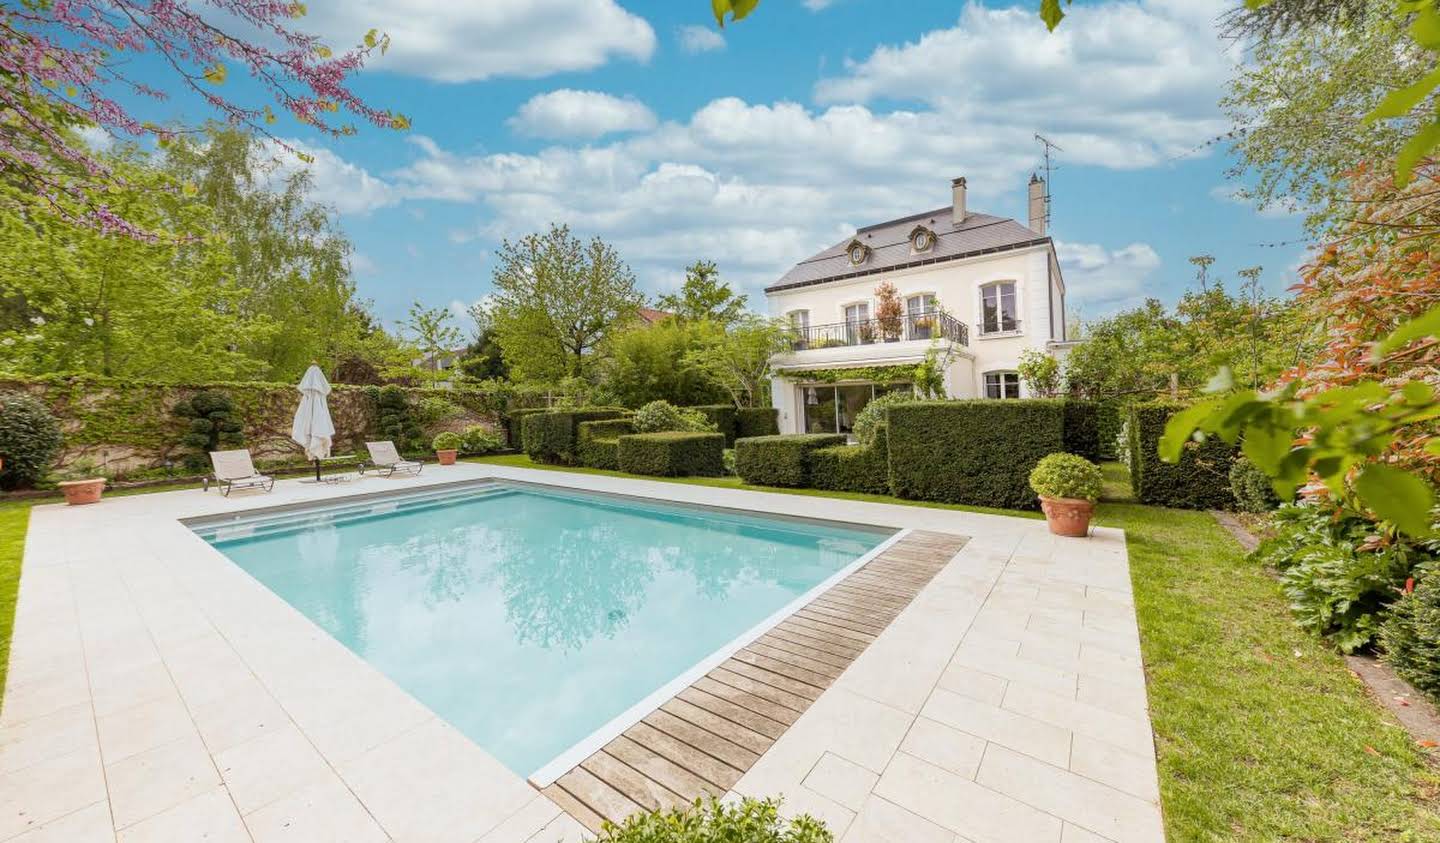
14	517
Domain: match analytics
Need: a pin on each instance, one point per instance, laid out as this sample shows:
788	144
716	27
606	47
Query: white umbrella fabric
313	430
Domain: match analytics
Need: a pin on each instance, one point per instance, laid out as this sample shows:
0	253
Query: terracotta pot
79	492
447	457
1068	516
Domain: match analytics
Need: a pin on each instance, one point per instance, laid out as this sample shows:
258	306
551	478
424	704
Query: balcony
912	326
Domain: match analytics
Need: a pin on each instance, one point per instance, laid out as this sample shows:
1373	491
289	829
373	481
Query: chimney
957	189
1037	204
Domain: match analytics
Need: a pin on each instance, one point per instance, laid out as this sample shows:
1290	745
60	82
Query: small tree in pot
889	311
1068	487
447	446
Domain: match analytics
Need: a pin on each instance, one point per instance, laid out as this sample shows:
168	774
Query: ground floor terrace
983	681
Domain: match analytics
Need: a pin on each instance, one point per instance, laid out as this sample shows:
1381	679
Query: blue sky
638	121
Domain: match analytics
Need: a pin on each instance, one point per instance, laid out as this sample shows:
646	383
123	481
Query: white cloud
361	264
346	187
1280	209
96	138
700	39
568	113
817	5
1100	280
463	42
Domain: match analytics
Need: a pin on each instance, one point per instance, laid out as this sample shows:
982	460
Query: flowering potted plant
1068	487
447	446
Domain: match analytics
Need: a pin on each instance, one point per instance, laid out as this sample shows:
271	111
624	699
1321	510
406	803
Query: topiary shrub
1410	636
550	437
853	468
872	416
447	441
748	821
514	425
1200	480
673	454
756	421
662	416
599	442
395	421
722	416
1109	416
213	426
780	460
1082	428
29	440
1067	476
974	452
1251	488
479	440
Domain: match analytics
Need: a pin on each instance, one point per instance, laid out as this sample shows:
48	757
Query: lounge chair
234	470
385	460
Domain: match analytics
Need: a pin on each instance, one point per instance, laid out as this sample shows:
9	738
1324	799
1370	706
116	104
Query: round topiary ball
29	440
1067	476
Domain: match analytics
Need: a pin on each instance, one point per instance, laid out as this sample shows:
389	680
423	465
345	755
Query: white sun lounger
385	460
234	470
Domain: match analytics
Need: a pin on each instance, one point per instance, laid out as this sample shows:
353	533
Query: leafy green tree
556	300
483	359
704	297
647	363
739	359
1041	373
434	336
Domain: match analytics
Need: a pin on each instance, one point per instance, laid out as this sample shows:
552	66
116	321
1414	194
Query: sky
760	144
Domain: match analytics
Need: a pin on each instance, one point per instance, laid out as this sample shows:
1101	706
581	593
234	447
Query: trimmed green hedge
1082	429
756	421
515	426
780	460
853	468
723	417
1200	480
977	452
1110	416
549	437
598	442
673	454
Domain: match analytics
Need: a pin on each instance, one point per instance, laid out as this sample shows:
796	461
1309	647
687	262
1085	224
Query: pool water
530	618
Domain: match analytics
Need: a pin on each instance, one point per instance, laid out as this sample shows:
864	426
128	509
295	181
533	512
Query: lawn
14	517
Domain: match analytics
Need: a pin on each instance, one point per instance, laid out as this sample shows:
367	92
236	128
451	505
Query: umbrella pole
317	471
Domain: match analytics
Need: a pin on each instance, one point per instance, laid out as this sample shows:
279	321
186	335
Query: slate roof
889	244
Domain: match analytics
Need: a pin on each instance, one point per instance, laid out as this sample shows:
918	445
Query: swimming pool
533	618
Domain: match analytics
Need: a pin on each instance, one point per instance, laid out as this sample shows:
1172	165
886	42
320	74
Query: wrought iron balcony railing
911	326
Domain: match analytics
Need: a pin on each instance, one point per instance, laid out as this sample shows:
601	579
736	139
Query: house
977	289
650	315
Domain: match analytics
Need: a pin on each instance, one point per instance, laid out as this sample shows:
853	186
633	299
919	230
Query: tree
483	358
739	359
647	363
434	337
1041	373
704	297
889	311
556	300
60	65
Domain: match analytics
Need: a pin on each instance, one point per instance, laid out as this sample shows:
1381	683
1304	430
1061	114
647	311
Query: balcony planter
1068	487
81	492
1068	516
447	456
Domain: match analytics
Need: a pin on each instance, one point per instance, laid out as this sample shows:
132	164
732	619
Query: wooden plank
753	703
849	618
598	796
574	807
788	647
831	650
658	768
737	678
731	731
829	629
734	712
696	760
784	668
707	742
640	789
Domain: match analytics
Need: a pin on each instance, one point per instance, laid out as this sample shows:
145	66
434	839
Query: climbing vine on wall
877	374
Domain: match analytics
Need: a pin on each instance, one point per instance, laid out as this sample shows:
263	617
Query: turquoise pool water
529	618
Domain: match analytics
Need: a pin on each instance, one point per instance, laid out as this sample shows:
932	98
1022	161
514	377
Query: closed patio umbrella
313	430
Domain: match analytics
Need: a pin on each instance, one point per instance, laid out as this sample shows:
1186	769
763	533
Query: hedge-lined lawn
14	517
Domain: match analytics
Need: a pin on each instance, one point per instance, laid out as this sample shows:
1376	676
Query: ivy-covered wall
118	427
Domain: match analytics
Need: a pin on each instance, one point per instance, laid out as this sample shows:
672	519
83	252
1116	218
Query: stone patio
157	692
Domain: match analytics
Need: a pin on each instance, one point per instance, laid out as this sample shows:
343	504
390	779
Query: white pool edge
592	743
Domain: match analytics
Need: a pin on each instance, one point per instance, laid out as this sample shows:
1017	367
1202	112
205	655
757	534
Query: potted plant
1068	487
447	447
80	492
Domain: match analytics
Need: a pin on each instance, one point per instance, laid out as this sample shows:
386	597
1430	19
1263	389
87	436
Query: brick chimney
957	189
1037	204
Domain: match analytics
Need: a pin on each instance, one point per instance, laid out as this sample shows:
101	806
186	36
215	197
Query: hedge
976	452
723	417
598	442
515	425
672	454
549	437
1200	480
1110	416
1082	429
853	468
756	421
780	460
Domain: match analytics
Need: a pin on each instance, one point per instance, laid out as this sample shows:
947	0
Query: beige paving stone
1129	733
43	738
148	783
1076	834
210	817
1124	699
1076	799
1051	678
882	821
843	782
953	750
42	793
90	824
1025	734
801	800
42	694
325	812
241	713
976	813
267	768
115	688
973	684
562	829
525	823
1109	764
143	727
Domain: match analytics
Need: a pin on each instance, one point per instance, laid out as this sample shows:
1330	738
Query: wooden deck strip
702	740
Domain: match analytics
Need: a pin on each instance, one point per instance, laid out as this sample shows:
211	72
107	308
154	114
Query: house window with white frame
998	311
800	321
857	323
1002	384
920	316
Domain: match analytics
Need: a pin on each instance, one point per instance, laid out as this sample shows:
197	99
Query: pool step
704	739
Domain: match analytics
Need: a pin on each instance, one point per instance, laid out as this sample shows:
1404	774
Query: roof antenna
1047	145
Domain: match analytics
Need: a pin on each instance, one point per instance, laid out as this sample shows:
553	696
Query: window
920	316
858	253
1002	385
856	313
800	320
998	313
832	409
858	328
921	239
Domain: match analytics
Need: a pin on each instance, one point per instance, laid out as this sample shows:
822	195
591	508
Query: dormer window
922	239
858	252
